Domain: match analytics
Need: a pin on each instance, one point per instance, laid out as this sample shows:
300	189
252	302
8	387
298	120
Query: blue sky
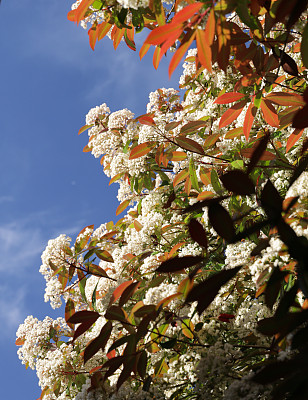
50	78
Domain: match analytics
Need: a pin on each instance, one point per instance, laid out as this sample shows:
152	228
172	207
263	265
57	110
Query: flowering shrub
200	290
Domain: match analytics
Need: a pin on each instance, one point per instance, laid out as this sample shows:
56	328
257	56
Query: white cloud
12	311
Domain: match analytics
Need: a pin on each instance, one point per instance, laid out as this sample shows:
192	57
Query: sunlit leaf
249	119
141	150
231	114
189	144
269	113
122	207
119	291
294	138
229	98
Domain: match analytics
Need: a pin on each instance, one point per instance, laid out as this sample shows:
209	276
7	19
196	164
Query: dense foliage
200	290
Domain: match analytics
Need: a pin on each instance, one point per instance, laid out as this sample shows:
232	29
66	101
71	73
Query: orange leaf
82	9
269	113
180	177
233	133
116	177
229	98
71	15
175	248
293	138
156	57
170	41
210	27
117	37
249	118
186	13
162	33
118	292
137	225
205	195
102	30
285	99
204	50
19	341
231	114
205	176
144	49
92	37
122	206
186	42
178	156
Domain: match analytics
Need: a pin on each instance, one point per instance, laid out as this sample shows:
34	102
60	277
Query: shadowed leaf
176	264
204	293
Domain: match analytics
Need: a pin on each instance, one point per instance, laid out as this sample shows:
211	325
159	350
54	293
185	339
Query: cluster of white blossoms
208	359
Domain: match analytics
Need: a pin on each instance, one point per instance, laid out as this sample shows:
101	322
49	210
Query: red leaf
82	328
118	34
210	27
231	114
128	292
206	291
181	176
146	119
197	232
83	316
192	127
99	342
249	118
229	98
266	155
300	120
221	221
238	182
189	144
269	113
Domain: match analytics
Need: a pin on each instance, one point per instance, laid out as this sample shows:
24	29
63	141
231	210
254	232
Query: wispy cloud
12	310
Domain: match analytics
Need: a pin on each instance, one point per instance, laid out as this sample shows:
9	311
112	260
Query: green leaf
304	46
216	182
193	175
